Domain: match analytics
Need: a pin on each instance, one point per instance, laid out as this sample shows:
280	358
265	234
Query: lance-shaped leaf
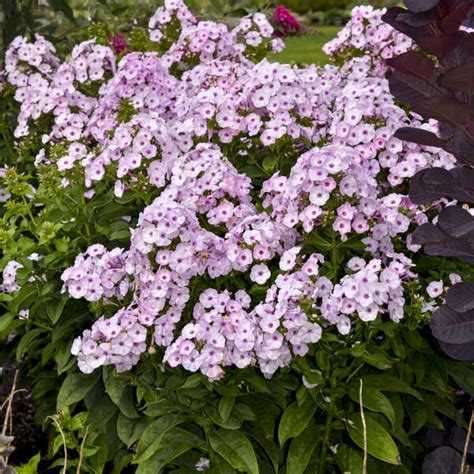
450	326
460	297
432	184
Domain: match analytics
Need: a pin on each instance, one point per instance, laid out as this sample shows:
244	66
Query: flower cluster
367	34
10	284
101	274
119	44
244	164
119	340
371	290
286	23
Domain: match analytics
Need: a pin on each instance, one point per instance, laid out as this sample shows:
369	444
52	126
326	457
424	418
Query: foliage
305	6
63	223
438	84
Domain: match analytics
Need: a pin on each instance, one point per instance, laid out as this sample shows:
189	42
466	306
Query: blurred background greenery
65	22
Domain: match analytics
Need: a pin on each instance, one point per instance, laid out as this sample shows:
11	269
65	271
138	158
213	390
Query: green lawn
307	49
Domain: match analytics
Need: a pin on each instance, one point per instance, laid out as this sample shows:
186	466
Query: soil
28	435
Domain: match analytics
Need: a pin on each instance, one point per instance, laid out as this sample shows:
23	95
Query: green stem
334	254
43	326
327	433
27	204
354	372
86	222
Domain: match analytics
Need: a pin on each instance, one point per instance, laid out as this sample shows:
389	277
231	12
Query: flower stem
327	433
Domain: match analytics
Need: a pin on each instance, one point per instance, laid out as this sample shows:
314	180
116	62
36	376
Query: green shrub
304	6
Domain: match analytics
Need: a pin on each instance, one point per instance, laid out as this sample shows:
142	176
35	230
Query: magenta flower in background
285	22
119	44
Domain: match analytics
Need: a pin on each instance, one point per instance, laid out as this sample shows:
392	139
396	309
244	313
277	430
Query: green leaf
270	162
418	414
120	392
463	375
31	467
192	381
5	321
253	171
150	441
54	308
318	242
175	443
390	384
226	404
235	448
63	7
233	421
301	450
267	443
219	465
74	389
23	297
295	419
398	347
129	430
349	460
380	444
445	407
62	356
378	358
372	399
26	341
257	383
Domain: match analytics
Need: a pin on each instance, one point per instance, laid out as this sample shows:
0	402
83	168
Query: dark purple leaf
454	19
460	297
460	78
443	460
420	136
432	184
450	326
440	46
456	221
415	25
466	44
462	147
420	5
439	243
458	437
431	438
461	352
411	89
444	109
410	19
391	17
415	63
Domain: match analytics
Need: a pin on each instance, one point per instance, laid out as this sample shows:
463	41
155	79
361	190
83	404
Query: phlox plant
210	253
